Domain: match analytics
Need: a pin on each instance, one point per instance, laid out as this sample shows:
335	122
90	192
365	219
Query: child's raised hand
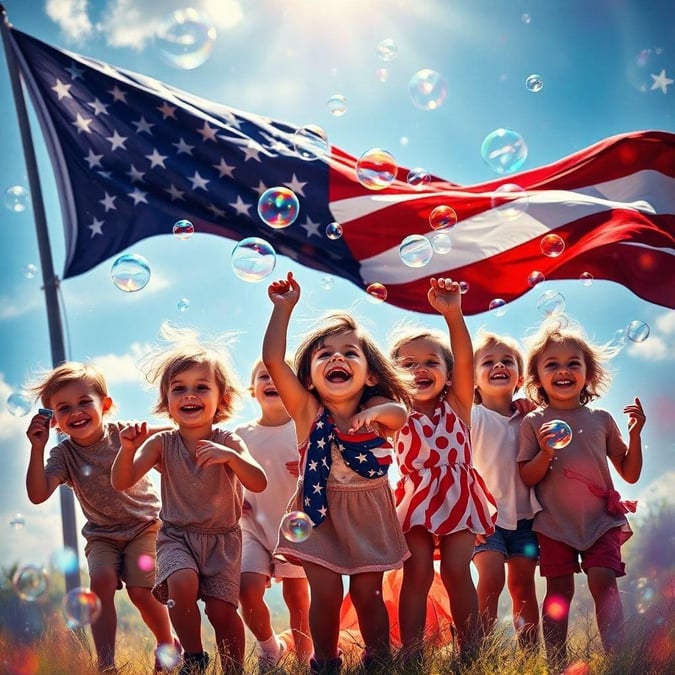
364	418
444	295
545	434
636	416
133	435
38	430
284	291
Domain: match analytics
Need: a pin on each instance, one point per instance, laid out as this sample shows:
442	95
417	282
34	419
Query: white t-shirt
494	440
272	447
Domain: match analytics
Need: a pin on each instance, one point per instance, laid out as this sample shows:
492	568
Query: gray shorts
255	557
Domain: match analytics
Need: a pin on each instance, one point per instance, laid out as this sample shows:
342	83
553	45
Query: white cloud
660	345
11	308
666	323
659	490
71	17
123	368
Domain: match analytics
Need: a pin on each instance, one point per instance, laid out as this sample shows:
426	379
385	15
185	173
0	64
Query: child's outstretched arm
299	403
445	297
39	485
629	466
389	415
534	469
233	452
138	453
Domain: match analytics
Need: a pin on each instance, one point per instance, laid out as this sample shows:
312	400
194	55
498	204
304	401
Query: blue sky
285	60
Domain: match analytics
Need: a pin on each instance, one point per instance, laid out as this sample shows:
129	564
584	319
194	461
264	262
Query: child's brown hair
185	350
561	331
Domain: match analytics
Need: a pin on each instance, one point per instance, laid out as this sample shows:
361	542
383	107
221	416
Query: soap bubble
81	607
278	207
311	142
428	89
504	151
296	526
464	287
586	278
19	404
376	169
185	38
64	560
337	105
183	304
441	243
377	292
498	305
442	217
17	521
130	272
168	656
334	230
637	331
30	582
510	201
387	50
552	245
415	250
551	303
535	277
16	198
253	259
534	83
562	434
29	271
183	229
327	282
418	177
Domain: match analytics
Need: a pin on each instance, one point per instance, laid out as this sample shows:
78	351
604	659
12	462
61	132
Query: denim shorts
519	542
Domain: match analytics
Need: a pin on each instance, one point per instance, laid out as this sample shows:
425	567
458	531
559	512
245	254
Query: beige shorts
134	560
256	558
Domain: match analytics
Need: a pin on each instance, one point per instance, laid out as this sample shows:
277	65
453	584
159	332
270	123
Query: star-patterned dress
439	488
360	531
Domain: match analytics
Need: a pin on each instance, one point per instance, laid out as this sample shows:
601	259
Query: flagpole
49	280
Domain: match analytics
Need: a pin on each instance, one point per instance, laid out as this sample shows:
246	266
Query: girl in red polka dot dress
441	500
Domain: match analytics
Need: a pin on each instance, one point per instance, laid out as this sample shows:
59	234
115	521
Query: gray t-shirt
574	492
109	512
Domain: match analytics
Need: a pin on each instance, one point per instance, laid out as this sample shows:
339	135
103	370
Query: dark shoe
325	666
194	664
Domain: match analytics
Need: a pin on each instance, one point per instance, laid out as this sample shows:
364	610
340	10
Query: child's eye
407	365
351	352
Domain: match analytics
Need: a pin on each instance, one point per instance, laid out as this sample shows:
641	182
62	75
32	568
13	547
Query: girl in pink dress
441	500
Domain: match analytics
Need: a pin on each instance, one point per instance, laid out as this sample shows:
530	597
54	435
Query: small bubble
17	522
296	526
376	292
498	306
183	229
337	105
16	198
253	259
387	50
19	404
376	169
535	277
183	304
441	243
311	143
334	231
534	83
464	287
562	434
30	271
327	282
428	89
170	603
504	151
551	303
552	245
637	331
442	217
81	607
586	278
418	177
30	582
415	251
278	207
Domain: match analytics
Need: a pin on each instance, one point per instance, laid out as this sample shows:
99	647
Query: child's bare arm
139	452
629	466
39	485
236	455
388	414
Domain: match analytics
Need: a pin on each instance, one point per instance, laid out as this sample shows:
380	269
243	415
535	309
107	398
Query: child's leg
366	592
229	630
608	607
524	598
324	610
155	615
491	578
104	582
418	575
456	551
183	586
254	610
296	597
555	616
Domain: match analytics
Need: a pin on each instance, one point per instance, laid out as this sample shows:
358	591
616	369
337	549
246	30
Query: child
120	527
582	514
495	426
203	469
271	441
344	389
441	499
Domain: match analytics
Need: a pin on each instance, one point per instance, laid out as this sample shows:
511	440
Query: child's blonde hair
185	350
48	383
561	331
485	339
390	383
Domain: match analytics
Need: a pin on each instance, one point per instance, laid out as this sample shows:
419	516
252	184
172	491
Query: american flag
132	156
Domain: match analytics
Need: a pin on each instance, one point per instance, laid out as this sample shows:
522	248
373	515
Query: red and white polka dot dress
439	488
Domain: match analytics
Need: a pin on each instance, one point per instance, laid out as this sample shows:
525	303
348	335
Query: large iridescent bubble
253	259
504	151
428	89
278	207
130	272
185	38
